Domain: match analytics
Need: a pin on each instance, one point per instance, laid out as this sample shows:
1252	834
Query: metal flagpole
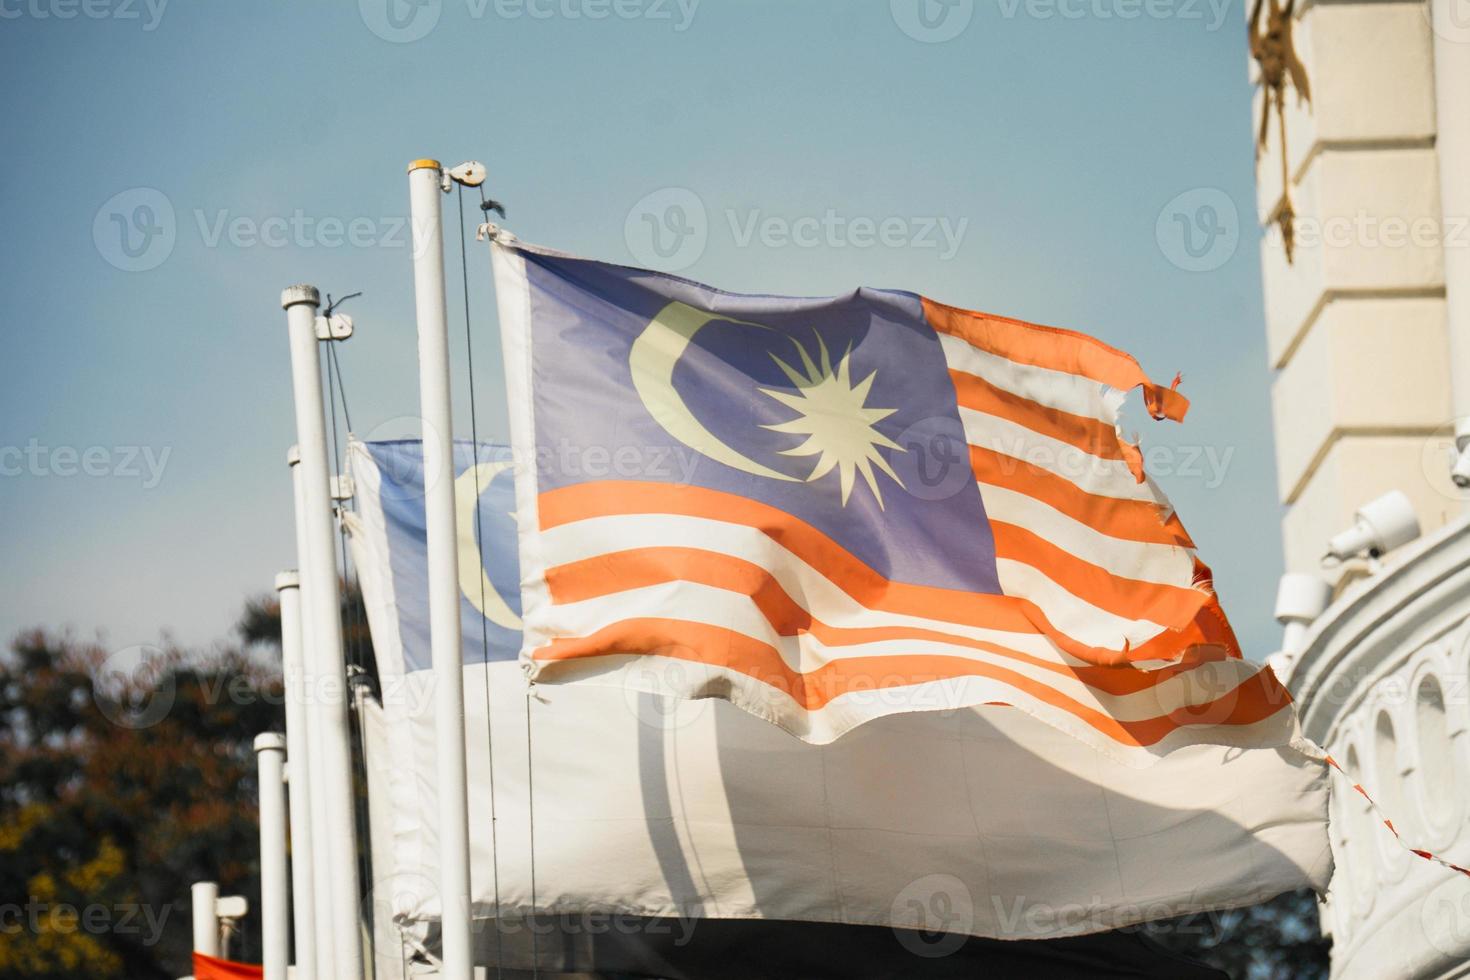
204	896
426	216
323	622
298	778
270	756
319	862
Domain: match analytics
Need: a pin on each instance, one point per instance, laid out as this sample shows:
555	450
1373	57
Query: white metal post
298	778
322	617
426	217
204	897
275	918
320	863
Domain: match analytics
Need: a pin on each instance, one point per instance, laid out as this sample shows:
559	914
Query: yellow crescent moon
653	357
477	587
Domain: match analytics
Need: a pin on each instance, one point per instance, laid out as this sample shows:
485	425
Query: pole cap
425	164
293	455
289	579
302	293
270	742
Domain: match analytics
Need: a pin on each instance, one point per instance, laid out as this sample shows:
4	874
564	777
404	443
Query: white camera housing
1300	599
1379	526
1460	471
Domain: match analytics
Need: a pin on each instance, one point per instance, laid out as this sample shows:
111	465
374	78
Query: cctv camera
1460	471
1300	598
1379	526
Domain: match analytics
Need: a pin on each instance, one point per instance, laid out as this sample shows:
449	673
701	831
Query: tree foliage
1279	939
123	780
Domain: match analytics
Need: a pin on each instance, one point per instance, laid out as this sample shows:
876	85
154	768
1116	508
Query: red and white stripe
699	593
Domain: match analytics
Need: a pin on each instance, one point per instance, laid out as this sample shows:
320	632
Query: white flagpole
426	217
298	778
319	864
270	757
324	632
204	896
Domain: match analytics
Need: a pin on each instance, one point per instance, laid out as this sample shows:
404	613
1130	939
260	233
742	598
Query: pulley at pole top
471	173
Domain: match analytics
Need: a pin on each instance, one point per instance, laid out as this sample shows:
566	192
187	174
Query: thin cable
531	821
486	206
351	584
341	386
333	384
361	823
469	349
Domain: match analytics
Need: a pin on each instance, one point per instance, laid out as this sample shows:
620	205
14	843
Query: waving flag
689	838
829	510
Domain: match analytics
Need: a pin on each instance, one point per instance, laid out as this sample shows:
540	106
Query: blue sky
1085	163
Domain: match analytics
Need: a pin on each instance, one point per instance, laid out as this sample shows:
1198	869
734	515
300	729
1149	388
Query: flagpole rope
486	206
355	657
469	346
1378	812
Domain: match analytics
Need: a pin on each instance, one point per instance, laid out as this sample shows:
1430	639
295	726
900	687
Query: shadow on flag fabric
826	511
668	831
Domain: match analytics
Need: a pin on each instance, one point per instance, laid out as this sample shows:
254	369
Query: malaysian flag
830	510
981	821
